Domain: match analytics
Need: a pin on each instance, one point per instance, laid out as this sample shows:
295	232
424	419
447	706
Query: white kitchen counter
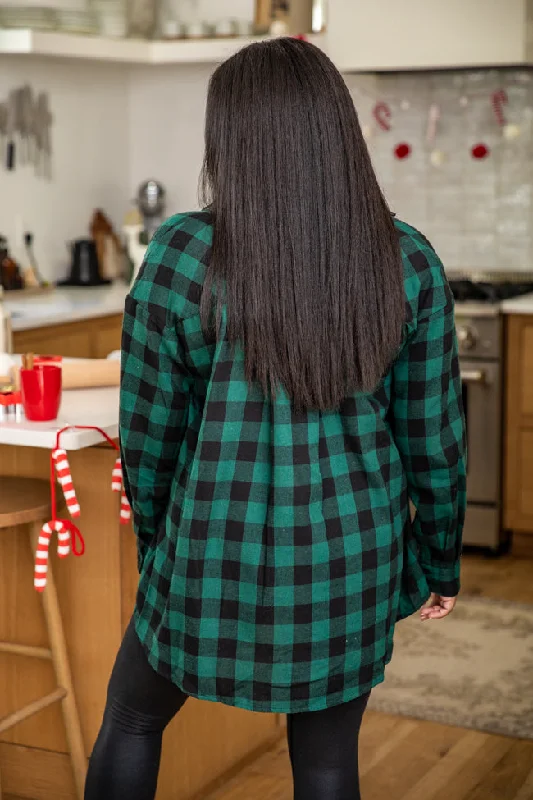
78	407
520	305
66	305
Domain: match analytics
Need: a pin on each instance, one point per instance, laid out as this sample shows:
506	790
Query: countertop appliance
151	201
479	325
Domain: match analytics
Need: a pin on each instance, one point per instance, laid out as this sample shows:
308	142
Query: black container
85	269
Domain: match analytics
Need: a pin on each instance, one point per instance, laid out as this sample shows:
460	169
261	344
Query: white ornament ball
511	132
405	105
279	28
368	132
437	158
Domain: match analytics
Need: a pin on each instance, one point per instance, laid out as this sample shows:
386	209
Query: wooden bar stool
25	501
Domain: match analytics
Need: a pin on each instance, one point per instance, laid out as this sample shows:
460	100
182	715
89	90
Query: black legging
125	761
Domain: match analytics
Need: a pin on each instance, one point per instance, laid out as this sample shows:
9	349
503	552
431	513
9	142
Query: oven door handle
473	375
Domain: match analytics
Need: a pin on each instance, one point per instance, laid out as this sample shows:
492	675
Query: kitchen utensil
43	138
26	120
142	18
11	125
32	276
3	129
6	335
90	373
151	202
41	392
108	245
85	268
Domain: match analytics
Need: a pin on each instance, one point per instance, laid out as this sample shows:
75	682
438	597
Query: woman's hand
438	607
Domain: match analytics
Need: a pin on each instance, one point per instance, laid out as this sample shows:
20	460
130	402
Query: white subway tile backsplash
477	213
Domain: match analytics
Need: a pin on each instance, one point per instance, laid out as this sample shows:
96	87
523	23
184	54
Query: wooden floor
404	759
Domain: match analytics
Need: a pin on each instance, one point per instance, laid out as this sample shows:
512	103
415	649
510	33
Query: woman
290	381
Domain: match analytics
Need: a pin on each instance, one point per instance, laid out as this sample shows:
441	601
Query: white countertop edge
81	315
64	305
98	407
42	435
520	305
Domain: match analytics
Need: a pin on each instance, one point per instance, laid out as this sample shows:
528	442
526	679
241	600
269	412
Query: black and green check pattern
276	551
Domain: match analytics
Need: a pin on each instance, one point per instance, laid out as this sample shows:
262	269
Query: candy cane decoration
433	120
64	478
117	485
382	115
499	100
43	547
69	537
125	509
116	480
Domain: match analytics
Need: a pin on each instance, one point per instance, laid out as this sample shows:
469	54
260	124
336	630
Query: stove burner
485	292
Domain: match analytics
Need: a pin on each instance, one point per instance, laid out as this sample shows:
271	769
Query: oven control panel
479	337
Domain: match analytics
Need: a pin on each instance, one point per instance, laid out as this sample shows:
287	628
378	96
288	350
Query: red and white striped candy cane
43	547
116	480
65	479
117	485
125	509
499	100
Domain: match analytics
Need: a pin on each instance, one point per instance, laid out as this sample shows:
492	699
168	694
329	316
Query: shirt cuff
445	582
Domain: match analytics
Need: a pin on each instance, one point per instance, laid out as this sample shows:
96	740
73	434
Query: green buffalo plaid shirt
276	550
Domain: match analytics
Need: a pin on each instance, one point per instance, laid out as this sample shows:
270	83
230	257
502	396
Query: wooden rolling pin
91	373
87	374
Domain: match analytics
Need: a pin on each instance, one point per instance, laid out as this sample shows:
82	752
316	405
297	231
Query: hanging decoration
382	115
69	537
480	151
499	100
402	151
436	156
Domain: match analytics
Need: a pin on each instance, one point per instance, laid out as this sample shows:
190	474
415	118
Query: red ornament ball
480	151
402	151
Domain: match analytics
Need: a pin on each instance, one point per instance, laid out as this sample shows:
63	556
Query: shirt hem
329	700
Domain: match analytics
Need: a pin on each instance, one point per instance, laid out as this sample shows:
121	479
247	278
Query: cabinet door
69	340
518	495
92	338
107	335
413	34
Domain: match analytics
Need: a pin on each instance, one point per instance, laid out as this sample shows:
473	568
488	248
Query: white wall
90	138
166	119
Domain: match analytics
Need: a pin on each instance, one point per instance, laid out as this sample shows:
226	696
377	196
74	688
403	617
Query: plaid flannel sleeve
430	434
154	399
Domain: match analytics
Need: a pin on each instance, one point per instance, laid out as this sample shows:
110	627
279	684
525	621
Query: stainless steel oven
479	331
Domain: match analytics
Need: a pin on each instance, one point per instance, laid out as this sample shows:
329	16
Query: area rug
473	669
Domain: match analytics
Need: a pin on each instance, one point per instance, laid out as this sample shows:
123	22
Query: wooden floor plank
511	778
409	759
526	790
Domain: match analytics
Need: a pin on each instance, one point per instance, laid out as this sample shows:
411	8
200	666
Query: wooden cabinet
90	338
518	477
97	596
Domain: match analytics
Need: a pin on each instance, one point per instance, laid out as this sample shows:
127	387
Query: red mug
49	360
41	392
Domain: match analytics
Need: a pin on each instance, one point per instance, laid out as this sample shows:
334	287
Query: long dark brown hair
305	252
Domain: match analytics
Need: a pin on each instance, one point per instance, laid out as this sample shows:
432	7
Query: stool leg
62	670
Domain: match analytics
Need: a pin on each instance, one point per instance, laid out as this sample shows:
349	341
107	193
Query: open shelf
127	51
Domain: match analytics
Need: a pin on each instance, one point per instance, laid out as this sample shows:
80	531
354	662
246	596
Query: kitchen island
97	593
